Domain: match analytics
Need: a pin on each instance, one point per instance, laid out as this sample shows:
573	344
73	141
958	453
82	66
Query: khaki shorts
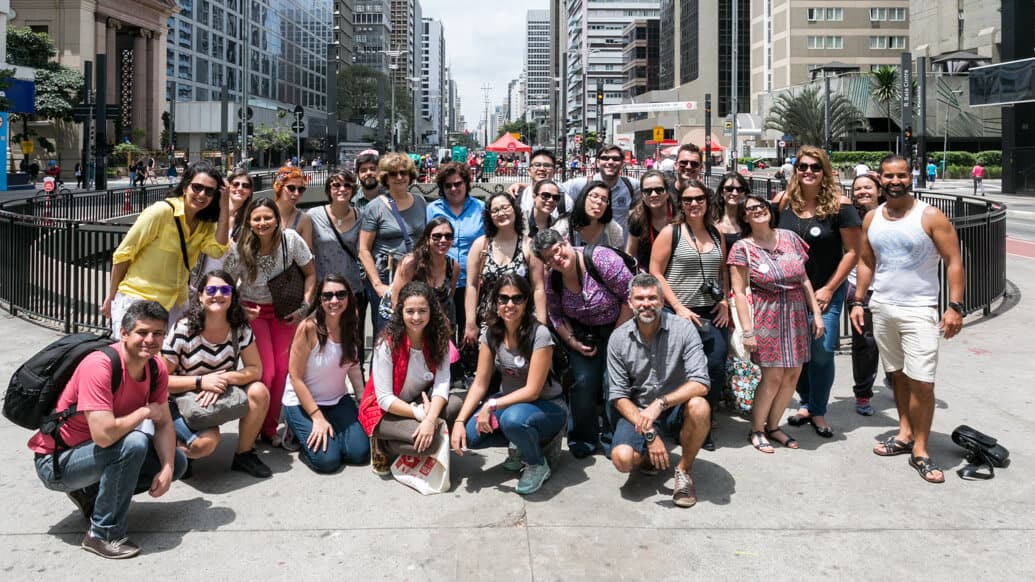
907	338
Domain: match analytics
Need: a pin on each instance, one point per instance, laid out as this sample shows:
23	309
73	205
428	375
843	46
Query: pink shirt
90	389
978	171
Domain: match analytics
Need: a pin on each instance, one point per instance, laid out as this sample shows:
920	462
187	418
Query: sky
485	44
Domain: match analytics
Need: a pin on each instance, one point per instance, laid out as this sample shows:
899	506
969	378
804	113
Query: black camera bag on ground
982	451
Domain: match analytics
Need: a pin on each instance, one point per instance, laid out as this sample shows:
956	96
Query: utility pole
733	82
485	89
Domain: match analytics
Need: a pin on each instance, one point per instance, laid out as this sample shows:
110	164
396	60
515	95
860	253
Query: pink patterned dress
781	315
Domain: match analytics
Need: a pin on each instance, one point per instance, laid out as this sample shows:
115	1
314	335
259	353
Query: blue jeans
714	343
110	475
529	425
586	395
349	445
817	375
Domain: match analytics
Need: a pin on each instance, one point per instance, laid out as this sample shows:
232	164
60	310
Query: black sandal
891	446
926	468
789	442
758	440
823	431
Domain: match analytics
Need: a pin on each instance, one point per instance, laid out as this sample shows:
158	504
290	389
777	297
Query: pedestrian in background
977	173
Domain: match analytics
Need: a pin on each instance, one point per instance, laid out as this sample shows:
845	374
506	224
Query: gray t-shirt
514	367
267	267
377	217
643	372
330	257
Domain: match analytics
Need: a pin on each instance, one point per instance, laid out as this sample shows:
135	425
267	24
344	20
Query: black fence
58	252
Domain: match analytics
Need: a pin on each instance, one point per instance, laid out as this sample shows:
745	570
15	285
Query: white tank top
324	378
907	260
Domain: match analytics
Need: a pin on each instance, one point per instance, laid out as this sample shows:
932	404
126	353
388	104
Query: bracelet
460	421
310	414
748	334
197	382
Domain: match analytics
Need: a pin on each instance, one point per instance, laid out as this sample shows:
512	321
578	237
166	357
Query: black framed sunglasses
199	188
691	163
292	188
517	299
340	295
549	196
691	199
740	189
816	168
437	236
654	190
241	184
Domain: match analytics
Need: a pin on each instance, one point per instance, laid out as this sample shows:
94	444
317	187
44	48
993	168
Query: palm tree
801	116
885	92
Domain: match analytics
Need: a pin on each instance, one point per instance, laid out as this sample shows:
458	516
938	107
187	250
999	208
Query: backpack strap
591	269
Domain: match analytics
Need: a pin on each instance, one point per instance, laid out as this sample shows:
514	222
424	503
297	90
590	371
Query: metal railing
58	254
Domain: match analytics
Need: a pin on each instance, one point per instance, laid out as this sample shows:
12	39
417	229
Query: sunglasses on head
339	295
293	188
437	236
515	299
213	290
199	188
816	168
654	190
241	184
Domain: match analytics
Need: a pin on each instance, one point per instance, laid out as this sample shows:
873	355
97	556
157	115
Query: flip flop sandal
891	446
789	442
798	420
926	468
757	440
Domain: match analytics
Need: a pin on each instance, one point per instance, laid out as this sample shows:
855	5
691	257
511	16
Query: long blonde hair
828	201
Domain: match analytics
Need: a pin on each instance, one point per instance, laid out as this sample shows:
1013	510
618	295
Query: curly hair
209	213
639	214
496	328
422	248
450	169
248	244
437	331
491	230
196	312
828	201
395	162
712	212
282	176
348	325
579	218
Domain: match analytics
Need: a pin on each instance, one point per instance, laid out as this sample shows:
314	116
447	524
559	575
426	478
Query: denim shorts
183	432
667	425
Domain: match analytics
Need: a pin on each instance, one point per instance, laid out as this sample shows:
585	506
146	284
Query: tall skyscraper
342	31
433	82
372	31
538	81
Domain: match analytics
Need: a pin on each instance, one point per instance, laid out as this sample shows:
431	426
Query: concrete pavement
832	510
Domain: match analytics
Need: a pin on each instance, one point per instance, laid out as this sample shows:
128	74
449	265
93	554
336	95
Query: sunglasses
437	236
292	188
691	163
339	295
740	189
610	158
241	184
654	190
688	200
338	185
399	174
515	299
199	188
548	196
214	290
756	209
816	168
453	185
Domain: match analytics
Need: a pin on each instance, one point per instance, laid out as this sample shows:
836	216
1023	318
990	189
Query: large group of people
597	310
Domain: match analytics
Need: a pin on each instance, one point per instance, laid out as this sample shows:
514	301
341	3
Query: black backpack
37	384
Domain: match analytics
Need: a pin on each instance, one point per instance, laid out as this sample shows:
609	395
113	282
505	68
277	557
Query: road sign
659	133
48	184
245	113
782	143
299	110
298	127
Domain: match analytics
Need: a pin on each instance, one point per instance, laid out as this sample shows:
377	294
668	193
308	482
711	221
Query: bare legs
771	398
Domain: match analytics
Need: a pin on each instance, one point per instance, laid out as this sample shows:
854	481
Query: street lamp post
945	143
392	66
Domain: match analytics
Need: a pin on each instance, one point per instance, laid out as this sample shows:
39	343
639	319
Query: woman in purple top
584	304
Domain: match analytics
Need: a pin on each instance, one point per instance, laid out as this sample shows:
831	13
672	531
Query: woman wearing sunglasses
771	262
239	189
688	261
317	405
289	183
732	188
654	210
263	252
430	264
201	353
528	412
815	208
154	259
336	235
389	226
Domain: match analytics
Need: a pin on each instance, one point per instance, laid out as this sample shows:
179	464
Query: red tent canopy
507	144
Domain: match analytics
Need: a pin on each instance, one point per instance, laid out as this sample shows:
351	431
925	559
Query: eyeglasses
547	196
614	158
500	210
816	168
292	188
340	295
340	185
756	209
653	191
599	198
199	188
241	184
399	174
691	163
437	236
453	185
688	200
740	189
515	299
541	165
214	290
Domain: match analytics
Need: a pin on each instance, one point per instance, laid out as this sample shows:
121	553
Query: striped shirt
194	355
684	273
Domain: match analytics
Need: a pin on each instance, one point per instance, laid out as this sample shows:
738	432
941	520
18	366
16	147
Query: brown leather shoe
379	463
115	550
684	494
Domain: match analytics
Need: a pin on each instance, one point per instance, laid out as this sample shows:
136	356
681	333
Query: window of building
825	42
897	14
824	14
877	14
887	42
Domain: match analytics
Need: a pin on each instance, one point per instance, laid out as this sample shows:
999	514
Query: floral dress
781	316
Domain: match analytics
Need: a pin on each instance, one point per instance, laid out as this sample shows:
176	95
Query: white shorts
121	303
907	338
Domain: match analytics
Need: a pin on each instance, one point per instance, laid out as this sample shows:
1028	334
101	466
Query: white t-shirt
418	374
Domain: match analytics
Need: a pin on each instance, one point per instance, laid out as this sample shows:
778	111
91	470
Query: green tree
357	93
884	82
58	88
801	115
29	49
526	130
272	139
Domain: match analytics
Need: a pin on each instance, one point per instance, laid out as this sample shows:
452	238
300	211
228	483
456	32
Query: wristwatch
649	436
957	306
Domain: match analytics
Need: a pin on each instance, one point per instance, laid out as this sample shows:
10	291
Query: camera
711	288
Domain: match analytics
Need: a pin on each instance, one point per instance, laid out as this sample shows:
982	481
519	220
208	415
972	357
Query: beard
369	183
648	314
899	191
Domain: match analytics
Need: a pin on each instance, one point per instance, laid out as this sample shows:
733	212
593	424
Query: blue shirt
467	226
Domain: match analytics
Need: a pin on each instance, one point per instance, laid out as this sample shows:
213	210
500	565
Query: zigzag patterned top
196	356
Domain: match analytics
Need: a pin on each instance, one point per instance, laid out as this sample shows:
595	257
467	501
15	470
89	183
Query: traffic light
600	97
908	133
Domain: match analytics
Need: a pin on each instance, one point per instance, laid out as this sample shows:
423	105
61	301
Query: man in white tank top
903	240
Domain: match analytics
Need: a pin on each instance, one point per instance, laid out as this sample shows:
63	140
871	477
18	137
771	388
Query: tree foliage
58	88
358	100
885	91
801	116
527	130
29	49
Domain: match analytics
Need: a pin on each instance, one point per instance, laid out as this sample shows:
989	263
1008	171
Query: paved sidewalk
832	510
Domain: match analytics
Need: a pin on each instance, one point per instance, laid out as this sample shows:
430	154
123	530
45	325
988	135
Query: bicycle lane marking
1020	248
